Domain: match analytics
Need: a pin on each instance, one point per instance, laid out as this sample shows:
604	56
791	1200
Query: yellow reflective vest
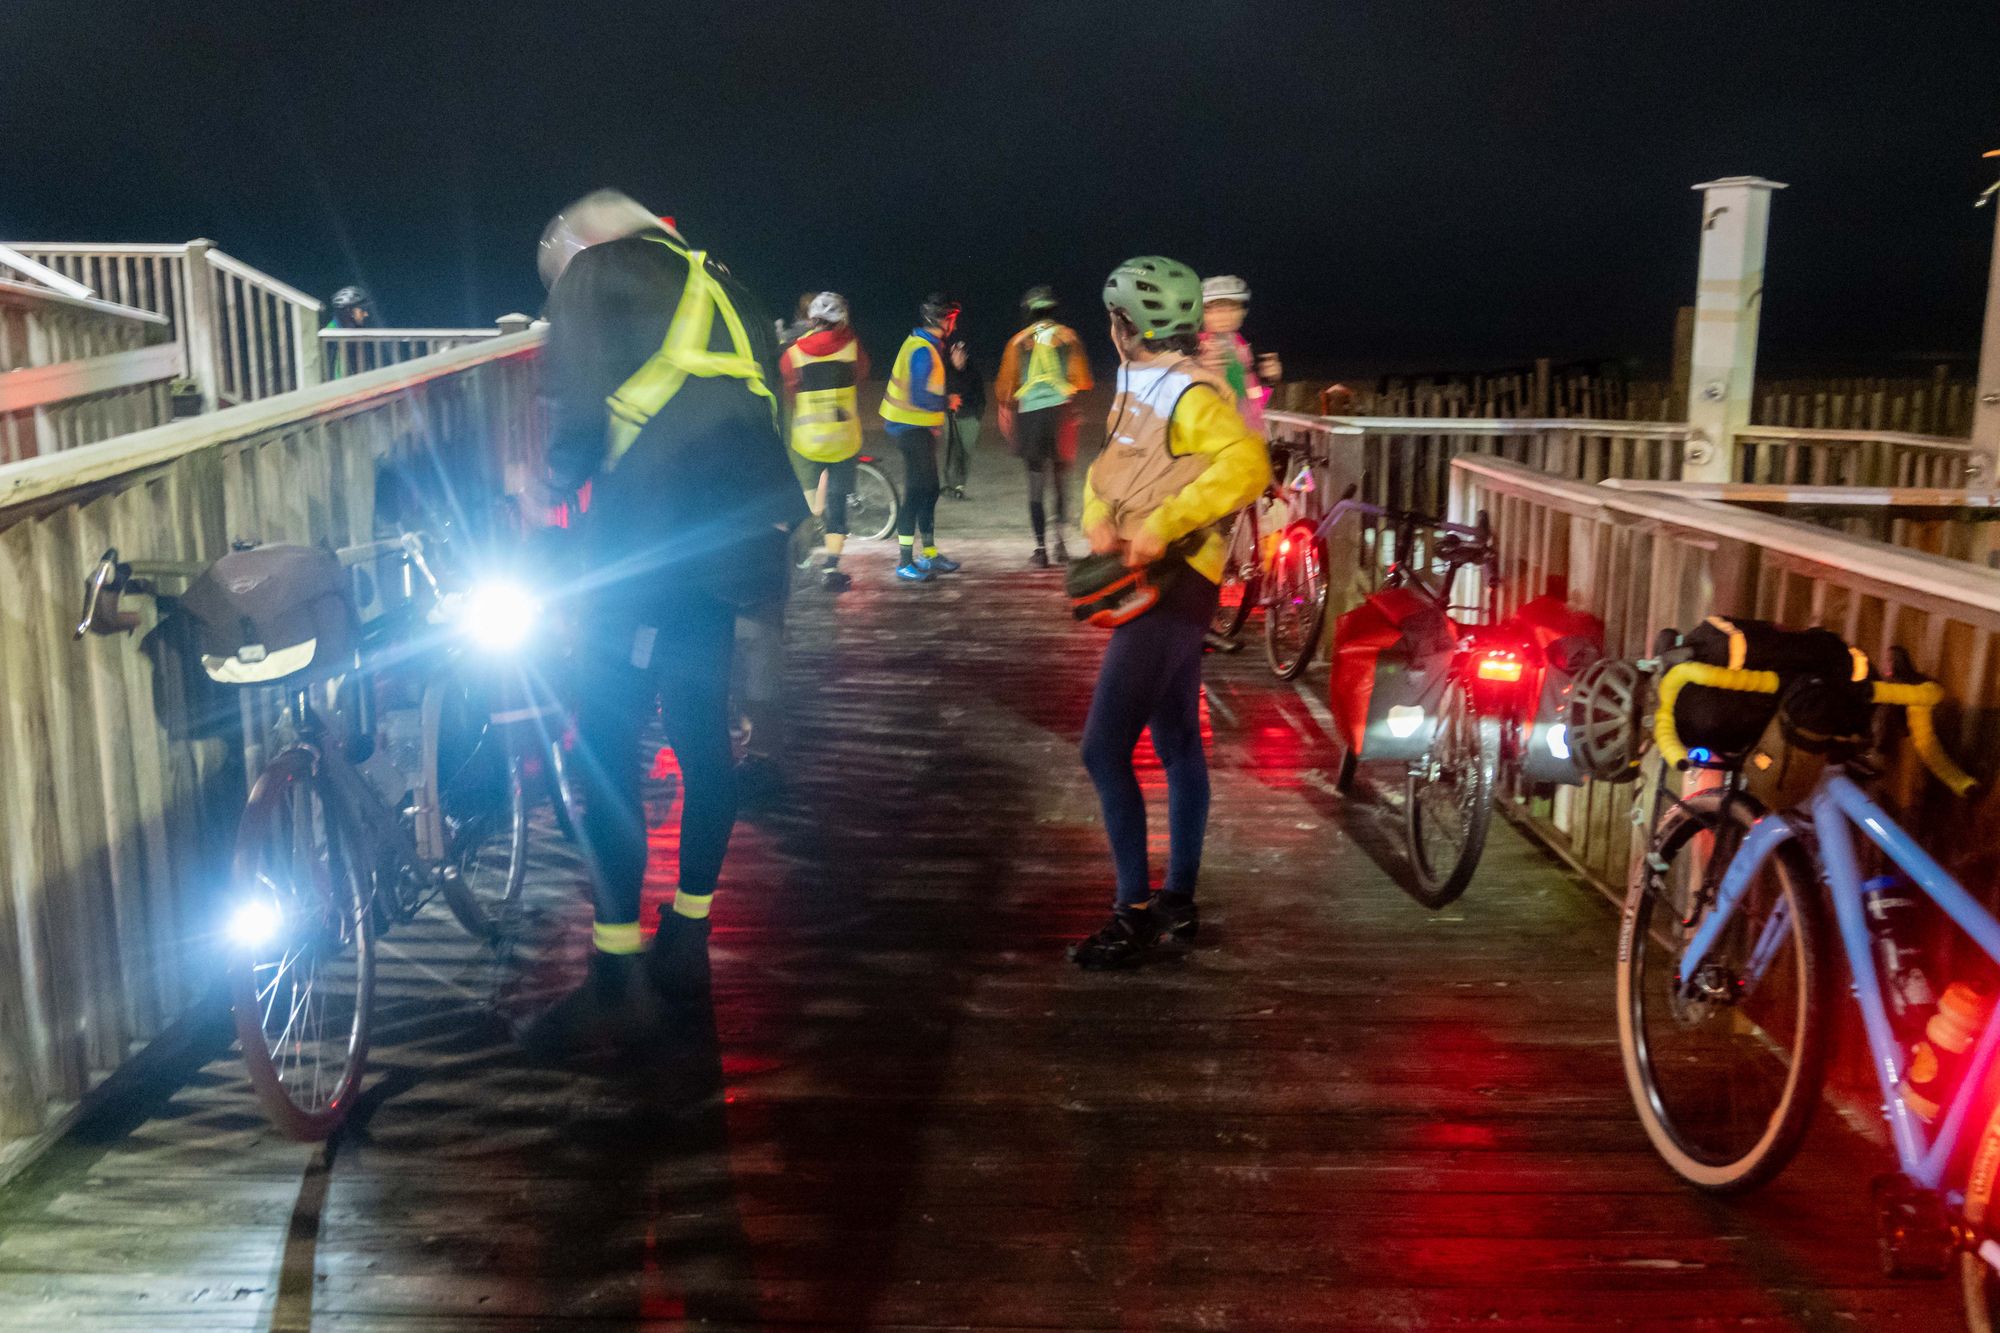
683	353
826	411
899	404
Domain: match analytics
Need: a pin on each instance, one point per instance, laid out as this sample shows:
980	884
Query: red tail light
1499	666
1285	546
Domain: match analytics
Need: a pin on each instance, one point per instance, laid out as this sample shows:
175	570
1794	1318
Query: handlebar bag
274	613
1391	658
1727	723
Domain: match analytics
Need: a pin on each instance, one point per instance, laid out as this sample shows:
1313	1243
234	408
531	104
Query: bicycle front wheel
476	773
1448	799
302	940
1978	1282
1724	1073
873	507
1297	607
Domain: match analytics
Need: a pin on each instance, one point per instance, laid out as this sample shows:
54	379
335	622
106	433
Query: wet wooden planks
1341	1112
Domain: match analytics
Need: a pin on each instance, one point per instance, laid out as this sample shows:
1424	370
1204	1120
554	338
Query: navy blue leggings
1151	680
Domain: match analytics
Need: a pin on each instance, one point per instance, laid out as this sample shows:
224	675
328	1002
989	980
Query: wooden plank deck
1339	1112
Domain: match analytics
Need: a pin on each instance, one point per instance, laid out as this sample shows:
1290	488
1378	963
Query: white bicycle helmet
1228	287
828	308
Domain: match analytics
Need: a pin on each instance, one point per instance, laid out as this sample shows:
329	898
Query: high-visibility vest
826	414
897	405
1047	368
682	353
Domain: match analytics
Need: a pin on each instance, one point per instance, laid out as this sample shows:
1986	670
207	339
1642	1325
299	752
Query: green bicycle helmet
1038	299
1161	296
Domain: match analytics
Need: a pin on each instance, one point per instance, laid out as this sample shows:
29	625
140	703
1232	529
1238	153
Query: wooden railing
357	351
1944	521
1776	455
246	334
115	813
1645	561
75	370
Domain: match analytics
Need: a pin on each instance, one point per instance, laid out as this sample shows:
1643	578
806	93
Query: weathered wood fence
75	370
112	821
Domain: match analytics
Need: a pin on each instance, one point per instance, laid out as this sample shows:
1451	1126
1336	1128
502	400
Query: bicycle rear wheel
302	964
1240	585
873	506
1978	1283
1448	799
1296	609
1725	1079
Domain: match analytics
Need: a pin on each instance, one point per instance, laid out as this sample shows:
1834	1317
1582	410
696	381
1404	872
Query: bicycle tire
1300	593
1240	586
1786	1129
874	490
1979	1285
562	791
334	901
482	804
1439	885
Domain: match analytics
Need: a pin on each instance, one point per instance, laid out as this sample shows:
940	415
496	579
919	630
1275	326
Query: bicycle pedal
1911	1228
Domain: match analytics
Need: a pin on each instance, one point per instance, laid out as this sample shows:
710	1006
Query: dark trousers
839	485
920	481
683	663
1151	681
1039	434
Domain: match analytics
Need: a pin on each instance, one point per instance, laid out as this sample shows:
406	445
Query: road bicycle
1275	560
404	778
1725	976
873	507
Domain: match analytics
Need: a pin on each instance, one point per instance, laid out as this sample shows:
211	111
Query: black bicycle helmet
347	298
937	308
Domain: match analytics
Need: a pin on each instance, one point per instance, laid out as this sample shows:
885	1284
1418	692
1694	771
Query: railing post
203	334
516	323
1986	410
307	356
1729	298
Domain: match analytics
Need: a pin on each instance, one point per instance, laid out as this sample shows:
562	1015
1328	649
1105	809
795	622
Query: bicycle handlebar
1342	508
1916	699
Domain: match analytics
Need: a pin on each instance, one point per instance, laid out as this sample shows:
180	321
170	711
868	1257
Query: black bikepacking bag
274	613
1727	723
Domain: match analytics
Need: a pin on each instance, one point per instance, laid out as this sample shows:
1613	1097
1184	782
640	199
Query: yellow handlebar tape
1665	734
1917	700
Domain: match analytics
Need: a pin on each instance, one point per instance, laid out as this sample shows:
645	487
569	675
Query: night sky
1403	182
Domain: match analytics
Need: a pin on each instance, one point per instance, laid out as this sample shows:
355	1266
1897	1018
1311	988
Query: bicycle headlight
499	615
255	923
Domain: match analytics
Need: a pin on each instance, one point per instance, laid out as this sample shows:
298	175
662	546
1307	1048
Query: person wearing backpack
1177	459
1041	372
663	378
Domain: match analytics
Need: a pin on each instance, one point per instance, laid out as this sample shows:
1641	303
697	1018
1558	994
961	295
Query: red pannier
1558	642
1391	657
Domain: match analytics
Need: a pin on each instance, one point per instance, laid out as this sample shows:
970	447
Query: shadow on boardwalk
1341	1112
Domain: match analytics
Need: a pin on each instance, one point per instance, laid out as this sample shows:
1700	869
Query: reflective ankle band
619	937
693	905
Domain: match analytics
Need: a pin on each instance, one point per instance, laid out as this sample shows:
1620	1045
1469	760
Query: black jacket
697	500
968	384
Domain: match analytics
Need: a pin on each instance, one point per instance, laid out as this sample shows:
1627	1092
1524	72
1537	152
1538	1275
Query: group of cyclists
707	433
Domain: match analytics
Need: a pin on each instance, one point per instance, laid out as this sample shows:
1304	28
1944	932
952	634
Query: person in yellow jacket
1041	372
914	407
1177	459
822	369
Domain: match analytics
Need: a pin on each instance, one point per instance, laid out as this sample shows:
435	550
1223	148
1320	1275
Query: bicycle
1724	981
1464	724
873	507
399	780
1288	581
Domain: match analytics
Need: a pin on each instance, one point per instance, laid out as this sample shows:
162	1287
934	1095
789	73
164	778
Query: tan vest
1138	470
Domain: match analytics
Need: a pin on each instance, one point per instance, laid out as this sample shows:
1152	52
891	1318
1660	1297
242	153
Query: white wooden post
308	357
1729	298
203	334
1986	411
512	324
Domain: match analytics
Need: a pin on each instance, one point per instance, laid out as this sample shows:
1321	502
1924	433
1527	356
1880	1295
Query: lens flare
500	615
255	923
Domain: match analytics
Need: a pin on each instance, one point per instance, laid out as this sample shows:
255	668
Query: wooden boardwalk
1339	1112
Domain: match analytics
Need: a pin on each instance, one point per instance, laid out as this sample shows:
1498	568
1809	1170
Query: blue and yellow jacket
915	398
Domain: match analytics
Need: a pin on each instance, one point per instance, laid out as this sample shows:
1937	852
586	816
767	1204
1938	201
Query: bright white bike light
1404	719
1558	741
256	923
500	615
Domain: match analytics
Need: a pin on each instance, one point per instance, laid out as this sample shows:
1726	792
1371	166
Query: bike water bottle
1938	1061
1895	920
